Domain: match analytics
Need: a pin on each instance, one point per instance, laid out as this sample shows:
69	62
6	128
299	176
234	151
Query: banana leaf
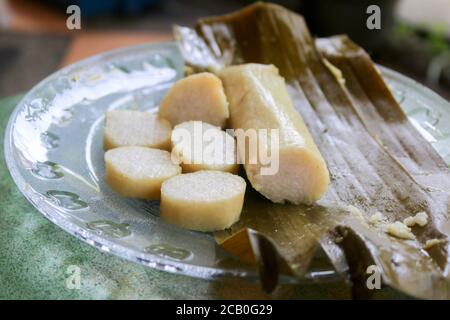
378	162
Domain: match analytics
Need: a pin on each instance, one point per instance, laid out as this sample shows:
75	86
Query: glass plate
53	148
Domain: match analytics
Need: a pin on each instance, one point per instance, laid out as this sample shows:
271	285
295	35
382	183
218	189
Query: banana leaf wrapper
378	162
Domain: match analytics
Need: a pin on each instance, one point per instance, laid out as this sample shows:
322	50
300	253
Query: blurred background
35	41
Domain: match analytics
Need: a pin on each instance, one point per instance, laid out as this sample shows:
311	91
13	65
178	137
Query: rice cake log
258	99
202	146
135	128
138	172
204	200
196	97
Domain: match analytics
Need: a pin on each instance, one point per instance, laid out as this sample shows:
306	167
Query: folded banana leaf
378	162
